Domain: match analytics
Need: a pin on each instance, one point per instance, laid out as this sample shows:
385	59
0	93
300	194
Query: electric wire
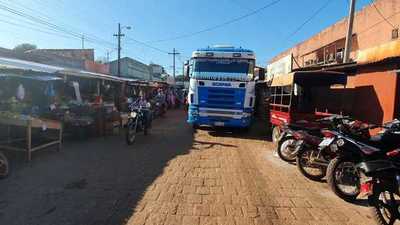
187	35
381	14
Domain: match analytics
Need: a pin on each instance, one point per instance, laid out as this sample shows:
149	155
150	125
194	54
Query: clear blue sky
267	32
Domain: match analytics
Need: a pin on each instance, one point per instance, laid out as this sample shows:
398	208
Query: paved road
172	177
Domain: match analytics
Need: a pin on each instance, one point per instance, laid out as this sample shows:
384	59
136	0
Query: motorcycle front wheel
343	179
4	166
131	134
285	149
307	168
385	204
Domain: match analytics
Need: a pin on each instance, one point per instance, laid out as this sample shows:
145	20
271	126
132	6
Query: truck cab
221	87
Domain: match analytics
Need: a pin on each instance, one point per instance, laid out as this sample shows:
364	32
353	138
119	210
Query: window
395	33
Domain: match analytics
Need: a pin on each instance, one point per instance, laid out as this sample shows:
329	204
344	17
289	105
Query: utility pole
173	53
108	55
349	35
83	41
119	35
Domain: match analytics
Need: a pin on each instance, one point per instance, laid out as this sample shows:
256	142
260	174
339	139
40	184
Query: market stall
25	99
95	97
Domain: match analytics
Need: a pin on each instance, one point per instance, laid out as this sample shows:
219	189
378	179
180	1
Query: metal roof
38	77
24	66
9	63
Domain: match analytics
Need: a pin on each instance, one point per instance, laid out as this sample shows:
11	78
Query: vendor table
29	123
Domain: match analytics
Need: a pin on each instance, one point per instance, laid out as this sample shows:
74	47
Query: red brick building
372	92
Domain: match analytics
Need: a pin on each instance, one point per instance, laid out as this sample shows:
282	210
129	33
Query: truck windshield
223	69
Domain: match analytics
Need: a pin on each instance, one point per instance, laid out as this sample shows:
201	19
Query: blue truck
222	87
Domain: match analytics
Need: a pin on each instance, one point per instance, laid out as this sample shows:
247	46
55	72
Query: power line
308	19
54	27
381	14
376	24
145	44
221	24
33	28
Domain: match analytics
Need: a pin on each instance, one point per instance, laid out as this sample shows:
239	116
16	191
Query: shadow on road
257	131
98	181
208	145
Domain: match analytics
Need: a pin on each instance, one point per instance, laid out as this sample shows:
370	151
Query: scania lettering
222	87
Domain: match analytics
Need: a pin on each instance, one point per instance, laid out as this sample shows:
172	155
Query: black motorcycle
380	181
138	120
313	152
342	174
4	166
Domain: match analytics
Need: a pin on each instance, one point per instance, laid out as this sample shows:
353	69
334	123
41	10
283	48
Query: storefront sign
280	67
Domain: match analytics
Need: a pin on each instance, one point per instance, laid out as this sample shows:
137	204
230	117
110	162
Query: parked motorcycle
313	156
342	175
291	134
380	181
137	121
4	166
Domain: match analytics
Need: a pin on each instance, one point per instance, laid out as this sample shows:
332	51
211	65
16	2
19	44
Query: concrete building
372	91
81	54
130	68
156	71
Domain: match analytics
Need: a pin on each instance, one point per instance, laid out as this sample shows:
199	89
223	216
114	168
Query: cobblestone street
229	179
171	177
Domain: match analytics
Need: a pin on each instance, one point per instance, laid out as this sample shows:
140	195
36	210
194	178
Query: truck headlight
245	114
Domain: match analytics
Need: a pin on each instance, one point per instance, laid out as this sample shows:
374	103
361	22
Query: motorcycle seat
385	141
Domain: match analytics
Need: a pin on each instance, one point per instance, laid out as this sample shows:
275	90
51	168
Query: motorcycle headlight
334	147
340	142
133	114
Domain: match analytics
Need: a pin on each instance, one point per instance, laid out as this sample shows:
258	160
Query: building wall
375	93
80	54
97	67
370	30
372	94
131	68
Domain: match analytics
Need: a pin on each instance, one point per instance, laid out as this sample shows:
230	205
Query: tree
21	48
101	60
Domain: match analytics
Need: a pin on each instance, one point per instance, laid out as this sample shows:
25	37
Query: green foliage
21	48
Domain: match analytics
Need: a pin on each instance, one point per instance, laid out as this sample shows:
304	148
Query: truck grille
225	98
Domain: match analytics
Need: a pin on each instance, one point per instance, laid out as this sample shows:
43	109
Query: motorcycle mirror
129	100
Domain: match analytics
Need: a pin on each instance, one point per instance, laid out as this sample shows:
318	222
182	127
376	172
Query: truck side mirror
186	69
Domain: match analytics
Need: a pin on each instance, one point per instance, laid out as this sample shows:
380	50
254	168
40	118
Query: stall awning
26	66
282	80
37	77
379	53
310	78
8	63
